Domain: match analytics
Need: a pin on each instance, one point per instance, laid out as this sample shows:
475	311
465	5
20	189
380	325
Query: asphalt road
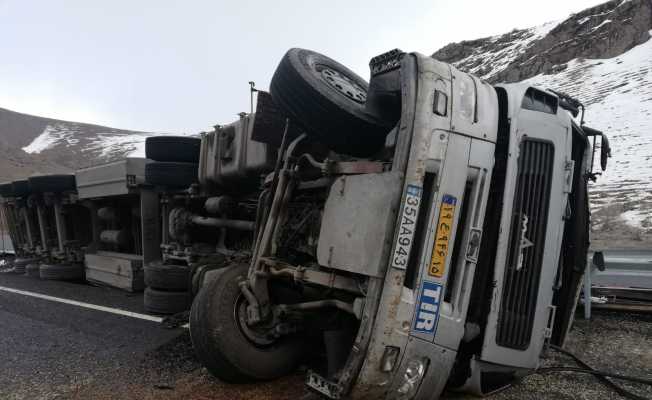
51	350
48	349
55	351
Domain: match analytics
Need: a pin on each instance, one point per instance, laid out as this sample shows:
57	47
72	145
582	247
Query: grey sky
182	66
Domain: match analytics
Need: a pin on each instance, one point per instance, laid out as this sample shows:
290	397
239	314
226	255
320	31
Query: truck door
456	213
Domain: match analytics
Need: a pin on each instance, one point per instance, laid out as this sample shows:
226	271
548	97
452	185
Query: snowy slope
603	57
499	52
31	144
103	145
618	96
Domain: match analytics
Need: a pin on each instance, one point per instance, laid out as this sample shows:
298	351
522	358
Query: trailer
125	223
47	226
20	220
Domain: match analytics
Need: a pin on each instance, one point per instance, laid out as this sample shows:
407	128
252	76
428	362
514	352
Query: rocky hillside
31	144
602	56
600	32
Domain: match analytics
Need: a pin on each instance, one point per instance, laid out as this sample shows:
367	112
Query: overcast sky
182	66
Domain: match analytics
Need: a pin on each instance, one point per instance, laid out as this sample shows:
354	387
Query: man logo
525	242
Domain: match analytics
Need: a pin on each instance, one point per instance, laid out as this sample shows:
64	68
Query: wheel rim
342	84
255	336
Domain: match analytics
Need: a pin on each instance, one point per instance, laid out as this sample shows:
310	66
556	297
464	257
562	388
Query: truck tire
165	302
21	188
327	100
220	341
167	276
61	272
6	189
173	148
20	268
33	270
168	173
52	183
20	264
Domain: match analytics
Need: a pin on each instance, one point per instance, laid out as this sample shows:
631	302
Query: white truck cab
431	228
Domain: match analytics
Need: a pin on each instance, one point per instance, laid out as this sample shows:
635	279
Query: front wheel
225	345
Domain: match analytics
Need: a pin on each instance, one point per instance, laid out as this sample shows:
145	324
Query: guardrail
626	279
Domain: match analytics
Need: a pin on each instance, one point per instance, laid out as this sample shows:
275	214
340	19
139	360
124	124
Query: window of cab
537	100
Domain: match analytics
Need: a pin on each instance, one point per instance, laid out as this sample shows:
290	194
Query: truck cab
424	245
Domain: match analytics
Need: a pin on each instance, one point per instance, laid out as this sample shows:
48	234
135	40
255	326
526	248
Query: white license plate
407	227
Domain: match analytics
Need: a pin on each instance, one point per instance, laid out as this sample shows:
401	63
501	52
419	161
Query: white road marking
111	310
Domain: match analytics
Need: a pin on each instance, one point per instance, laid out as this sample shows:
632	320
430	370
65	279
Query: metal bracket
327	388
569	167
547	332
386	62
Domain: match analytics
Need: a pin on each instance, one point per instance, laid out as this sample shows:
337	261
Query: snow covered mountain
31	144
104	143
603	57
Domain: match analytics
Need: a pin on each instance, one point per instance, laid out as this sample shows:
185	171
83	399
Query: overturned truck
422	232
47	226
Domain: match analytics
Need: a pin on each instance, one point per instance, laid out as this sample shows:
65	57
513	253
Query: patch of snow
583	20
502	57
618	95
45	140
606	21
543	30
634	218
109	144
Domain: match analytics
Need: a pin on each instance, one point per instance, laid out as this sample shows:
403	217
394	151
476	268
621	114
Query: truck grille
526	244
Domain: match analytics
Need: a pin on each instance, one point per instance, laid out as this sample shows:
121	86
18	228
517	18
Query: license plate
442	236
407	227
321	385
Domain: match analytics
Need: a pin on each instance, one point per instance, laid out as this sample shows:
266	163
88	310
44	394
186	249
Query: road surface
55	350
56	345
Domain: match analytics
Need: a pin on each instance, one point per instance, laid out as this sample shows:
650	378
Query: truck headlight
414	372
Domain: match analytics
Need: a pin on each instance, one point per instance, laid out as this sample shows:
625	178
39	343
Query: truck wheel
20	264
52	183
21	188
328	101
165	302
173	148
225	345
6	189
60	272
20	268
168	173
167	276
33	270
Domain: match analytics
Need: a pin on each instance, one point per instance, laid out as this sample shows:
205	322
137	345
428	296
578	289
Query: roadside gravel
611	341
614	342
